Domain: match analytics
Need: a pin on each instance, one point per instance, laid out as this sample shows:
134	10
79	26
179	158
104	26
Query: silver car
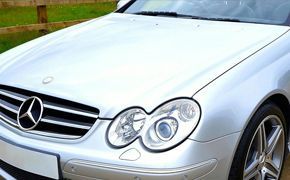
159	89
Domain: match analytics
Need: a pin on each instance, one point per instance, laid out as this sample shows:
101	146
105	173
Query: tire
259	155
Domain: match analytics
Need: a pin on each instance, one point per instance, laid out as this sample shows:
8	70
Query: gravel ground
286	171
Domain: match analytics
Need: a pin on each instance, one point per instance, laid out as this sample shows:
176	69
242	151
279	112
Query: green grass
64	13
9	41
27	15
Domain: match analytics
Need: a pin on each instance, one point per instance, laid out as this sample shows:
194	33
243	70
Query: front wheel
261	152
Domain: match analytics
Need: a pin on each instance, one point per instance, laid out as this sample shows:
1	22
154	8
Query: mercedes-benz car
159	89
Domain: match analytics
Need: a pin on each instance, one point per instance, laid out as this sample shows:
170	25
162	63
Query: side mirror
121	3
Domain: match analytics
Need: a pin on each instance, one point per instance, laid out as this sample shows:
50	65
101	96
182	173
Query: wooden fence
42	24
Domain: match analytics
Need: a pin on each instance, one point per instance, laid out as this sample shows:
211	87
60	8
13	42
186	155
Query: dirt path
286	171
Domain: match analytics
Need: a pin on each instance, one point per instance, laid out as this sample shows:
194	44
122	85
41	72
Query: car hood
122	60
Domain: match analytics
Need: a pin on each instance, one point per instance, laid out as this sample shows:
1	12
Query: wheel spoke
270	172
263	175
262	144
271	165
252	174
273	140
259	176
250	170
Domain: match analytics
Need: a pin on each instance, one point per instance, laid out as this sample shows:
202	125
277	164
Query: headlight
166	127
126	127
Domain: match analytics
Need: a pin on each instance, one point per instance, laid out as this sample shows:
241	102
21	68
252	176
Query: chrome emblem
47	80
30	113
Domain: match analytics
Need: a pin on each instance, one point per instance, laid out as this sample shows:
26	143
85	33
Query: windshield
255	11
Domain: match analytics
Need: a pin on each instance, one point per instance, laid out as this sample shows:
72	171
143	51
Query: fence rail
42	17
23	3
39	27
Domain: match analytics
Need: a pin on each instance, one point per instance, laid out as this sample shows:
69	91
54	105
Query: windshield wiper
219	19
175	14
167	13
157	13
210	18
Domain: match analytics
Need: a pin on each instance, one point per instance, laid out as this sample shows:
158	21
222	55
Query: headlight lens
127	127
166	127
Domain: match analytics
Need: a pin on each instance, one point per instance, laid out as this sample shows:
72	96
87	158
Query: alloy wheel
266	152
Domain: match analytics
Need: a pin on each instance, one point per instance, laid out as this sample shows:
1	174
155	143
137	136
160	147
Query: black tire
239	161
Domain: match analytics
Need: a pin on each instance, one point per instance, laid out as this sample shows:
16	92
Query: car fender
229	102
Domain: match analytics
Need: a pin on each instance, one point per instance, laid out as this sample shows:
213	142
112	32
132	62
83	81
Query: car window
257	11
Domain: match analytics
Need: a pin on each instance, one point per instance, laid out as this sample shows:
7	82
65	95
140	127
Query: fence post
42	16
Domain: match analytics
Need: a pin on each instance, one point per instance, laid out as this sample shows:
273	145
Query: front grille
61	118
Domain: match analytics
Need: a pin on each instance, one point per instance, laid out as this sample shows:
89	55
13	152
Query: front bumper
92	158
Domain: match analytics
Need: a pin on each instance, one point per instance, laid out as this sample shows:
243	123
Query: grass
9	41
27	15
14	16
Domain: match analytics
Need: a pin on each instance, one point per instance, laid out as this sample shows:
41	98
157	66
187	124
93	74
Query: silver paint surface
119	61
